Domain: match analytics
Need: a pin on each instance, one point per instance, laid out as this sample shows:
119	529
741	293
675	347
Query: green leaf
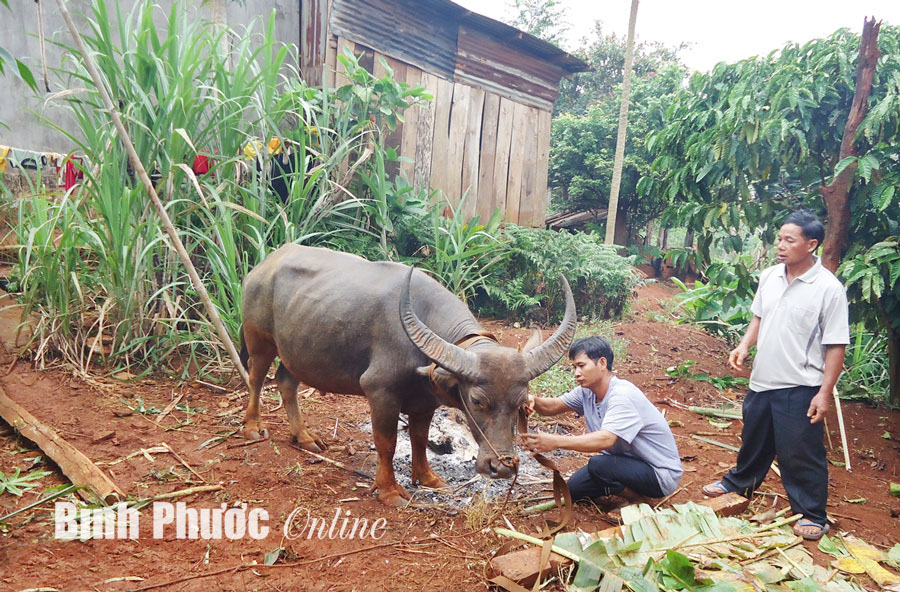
886	435
828	545
867	164
594	560
885	198
895	489
16	483
844	164
894	553
679	568
804	585
704	171
26	75
273	556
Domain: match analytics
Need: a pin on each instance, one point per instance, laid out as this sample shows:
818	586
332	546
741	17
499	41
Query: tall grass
95	265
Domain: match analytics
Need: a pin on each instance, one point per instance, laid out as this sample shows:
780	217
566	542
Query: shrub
525	280
95	264
722	305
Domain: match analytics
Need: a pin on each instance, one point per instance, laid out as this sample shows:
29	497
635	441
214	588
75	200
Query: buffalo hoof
430	479
311	442
394	496
260	433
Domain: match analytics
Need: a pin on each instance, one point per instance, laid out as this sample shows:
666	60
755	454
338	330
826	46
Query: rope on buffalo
561	494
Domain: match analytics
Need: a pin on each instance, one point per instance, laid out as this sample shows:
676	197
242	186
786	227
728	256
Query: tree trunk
623	126
837	193
893	346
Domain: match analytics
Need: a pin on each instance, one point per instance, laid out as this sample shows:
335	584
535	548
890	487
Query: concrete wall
22	111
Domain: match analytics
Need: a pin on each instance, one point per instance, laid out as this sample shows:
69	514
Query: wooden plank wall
467	141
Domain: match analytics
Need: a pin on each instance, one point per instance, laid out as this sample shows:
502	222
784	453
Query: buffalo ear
439	375
533	341
445	383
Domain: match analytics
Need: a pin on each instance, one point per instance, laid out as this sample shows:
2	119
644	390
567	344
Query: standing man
635	452
801	329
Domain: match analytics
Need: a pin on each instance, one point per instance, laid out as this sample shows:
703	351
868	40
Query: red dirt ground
421	549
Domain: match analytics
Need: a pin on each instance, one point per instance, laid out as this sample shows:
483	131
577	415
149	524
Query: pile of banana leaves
690	548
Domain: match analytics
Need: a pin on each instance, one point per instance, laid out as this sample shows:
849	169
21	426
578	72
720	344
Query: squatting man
635	452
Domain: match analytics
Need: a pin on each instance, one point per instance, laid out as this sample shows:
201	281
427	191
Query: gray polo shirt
797	321
642	430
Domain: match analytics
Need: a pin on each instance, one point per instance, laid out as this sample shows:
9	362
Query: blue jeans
610	474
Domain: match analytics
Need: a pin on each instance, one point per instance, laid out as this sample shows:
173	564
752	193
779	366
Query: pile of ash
451	453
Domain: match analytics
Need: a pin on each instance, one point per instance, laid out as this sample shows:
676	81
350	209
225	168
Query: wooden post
840	415
80	470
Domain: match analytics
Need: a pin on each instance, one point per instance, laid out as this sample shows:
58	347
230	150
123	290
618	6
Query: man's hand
529	404
818	407
538	441
737	356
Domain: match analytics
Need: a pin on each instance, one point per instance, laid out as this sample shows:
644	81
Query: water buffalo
342	324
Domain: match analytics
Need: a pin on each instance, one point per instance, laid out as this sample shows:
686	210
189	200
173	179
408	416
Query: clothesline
68	166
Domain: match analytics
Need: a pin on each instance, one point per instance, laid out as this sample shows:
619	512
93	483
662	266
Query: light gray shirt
642	430
797	321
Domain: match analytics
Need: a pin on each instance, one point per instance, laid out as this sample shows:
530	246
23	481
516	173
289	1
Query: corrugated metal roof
422	33
446	39
522	41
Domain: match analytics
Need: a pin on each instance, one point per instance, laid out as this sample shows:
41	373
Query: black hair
594	348
810	225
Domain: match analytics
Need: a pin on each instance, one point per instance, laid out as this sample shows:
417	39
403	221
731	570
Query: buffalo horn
542	358
443	353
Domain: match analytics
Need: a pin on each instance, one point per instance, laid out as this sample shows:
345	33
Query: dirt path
414	549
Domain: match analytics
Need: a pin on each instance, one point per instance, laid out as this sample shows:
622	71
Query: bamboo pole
840	416
539	542
138	166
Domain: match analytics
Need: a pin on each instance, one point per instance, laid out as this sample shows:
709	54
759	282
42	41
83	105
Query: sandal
810	536
714	489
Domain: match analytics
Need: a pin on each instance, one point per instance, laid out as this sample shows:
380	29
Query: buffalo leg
261	352
422	473
384	432
287	384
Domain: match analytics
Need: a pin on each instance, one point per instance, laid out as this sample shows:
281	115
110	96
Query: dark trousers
776	425
609	474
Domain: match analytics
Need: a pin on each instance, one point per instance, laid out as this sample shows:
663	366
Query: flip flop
714	489
803	522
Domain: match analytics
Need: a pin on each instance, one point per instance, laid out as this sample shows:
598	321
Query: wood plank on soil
80	470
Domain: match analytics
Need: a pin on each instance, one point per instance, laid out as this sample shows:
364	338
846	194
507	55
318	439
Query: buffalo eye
477	401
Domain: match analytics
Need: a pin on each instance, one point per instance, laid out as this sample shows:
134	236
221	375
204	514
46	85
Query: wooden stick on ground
840	416
338	464
72	462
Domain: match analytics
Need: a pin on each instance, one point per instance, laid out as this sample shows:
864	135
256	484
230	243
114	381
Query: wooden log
80	470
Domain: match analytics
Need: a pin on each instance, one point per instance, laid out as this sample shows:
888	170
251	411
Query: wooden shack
486	135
